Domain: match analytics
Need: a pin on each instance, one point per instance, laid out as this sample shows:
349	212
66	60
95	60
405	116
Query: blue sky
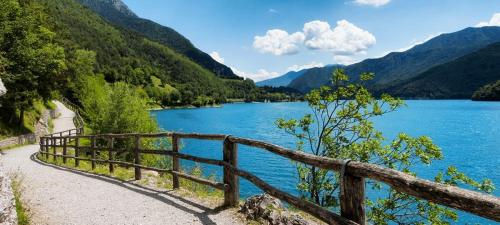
263	39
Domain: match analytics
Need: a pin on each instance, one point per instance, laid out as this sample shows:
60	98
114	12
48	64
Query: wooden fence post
65	150
175	161
110	154
47	147
93	153
137	157
42	145
77	152
352	197
232	191
54	149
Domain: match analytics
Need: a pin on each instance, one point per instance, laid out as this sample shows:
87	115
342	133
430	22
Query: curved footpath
56	195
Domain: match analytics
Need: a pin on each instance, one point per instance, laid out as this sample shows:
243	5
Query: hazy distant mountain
459	78
282	80
116	12
313	78
399	66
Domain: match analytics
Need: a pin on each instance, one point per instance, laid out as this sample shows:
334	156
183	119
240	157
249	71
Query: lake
468	133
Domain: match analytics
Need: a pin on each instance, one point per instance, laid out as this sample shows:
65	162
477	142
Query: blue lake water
468	133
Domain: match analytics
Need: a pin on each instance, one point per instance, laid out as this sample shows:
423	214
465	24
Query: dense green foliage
124	55
117	13
114	108
401	66
31	63
127	56
57	46
489	92
456	79
341	127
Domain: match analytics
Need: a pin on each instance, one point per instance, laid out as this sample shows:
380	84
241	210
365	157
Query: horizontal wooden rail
487	206
484	205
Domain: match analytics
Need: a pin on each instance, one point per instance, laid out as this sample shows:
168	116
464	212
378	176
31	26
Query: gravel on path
57	195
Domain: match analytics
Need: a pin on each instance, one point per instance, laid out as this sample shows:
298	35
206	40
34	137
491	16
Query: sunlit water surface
468	133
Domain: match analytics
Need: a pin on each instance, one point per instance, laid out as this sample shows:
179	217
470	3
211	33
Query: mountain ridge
157	32
282	80
399	66
457	79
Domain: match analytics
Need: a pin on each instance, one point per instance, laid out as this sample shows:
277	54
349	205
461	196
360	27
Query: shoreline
212	106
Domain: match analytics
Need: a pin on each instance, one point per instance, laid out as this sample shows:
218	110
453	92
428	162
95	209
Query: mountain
125	55
116	12
456	79
399	66
282	80
113	7
313	78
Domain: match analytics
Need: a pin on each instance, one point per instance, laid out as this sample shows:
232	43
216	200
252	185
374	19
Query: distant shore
157	108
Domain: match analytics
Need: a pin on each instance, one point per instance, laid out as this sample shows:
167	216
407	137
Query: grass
51	125
11	147
30	119
22	213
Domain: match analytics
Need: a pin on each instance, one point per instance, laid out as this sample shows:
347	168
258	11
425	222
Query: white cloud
272	11
261	74
494	21
374	3
344	39
278	42
215	55
305	66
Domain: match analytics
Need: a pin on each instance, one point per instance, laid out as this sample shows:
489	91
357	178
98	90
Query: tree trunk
21	118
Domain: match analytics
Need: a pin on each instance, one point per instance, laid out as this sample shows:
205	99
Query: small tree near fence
340	126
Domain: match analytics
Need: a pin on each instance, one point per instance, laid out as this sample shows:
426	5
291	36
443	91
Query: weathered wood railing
77	120
353	173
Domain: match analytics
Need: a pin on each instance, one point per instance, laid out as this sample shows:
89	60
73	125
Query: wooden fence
353	173
77	120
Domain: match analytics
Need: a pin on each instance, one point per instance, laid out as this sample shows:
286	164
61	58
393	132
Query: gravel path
57	195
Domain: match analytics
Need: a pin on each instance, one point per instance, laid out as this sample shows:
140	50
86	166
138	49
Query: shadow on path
150	192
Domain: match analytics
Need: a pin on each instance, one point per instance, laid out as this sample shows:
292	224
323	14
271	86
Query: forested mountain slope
116	12
124	55
399	66
283	80
312	78
489	92
456	79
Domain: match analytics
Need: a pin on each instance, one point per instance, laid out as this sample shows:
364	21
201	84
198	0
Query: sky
261	39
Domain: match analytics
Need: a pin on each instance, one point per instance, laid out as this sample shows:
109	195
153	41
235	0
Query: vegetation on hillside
50	48
341	127
31	66
156	32
457	79
128	56
403	66
489	92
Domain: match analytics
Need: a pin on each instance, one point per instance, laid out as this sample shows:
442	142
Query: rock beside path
267	209
8	215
